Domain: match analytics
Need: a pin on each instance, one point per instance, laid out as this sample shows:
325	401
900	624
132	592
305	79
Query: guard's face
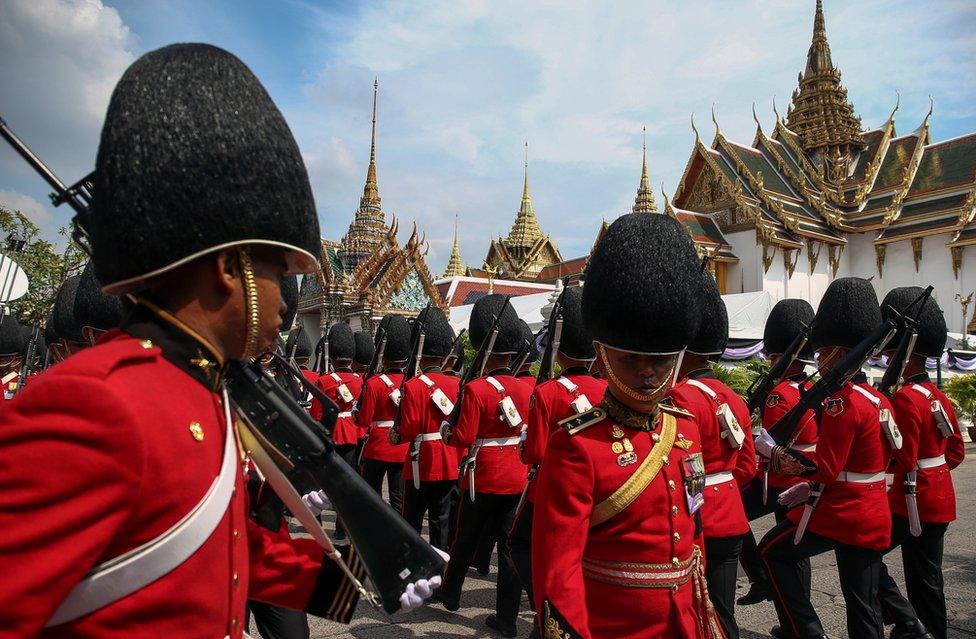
828	356
269	267
646	376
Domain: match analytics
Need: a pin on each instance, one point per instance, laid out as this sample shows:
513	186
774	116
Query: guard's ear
227	269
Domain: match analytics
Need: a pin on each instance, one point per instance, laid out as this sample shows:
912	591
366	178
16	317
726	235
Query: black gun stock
393	553
762	386
549	354
906	344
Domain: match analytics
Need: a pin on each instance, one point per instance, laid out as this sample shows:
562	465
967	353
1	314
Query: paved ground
479	594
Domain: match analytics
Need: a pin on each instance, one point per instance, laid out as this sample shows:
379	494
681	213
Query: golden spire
455	266
644	202
525	231
371	192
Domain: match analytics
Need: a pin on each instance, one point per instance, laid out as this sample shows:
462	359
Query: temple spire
818	57
371	192
455	266
644	202
525	231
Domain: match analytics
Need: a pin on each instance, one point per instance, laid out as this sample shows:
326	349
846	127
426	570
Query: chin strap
653	396
252	310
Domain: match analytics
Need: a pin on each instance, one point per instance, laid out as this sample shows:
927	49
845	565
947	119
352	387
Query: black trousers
482	554
755	508
374	471
433	499
348	454
859	570
275	622
922	560
721	566
493	513
520	548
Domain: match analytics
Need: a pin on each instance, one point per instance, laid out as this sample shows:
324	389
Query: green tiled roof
877	203
929	206
726	168
873	140
756	162
946	164
334	261
901	230
381	273
896	159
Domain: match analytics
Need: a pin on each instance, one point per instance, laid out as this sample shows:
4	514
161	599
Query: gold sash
642	477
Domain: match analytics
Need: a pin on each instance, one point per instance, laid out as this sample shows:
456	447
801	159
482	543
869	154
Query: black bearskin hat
438	334
848	312
526	343
479	325
365	348
642	286
713	328
64	311
50	333
459	357
289	295
299	340
342	344
11	336
195	157
931	327
575	340
397	336
783	325
92	307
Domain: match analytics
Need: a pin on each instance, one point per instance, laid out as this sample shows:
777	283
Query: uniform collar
860	377
504	370
433	369
628	416
575	370
921	378
701	373
180	344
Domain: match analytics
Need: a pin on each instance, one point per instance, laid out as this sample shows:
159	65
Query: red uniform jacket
106	451
850	439
376	414
580	571
783	397
935	495
552	403
723	514
346	432
419	415
499	469
528	379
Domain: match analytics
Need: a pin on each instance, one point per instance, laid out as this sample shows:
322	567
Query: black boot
504	630
913	630
759	591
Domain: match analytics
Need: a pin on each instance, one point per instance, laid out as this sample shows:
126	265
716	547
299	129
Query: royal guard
786	321
71	340
11	347
727	448
922	497
617	547
342	386
94	312
851	515
299	346
574	391
377	408
365	350
527	355
135	520
430	471
492	415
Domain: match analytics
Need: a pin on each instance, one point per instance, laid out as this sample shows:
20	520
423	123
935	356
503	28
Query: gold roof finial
694	128
756	117
891	118
776	111
525	231
718	129
371	192
644	202
525	175
455	265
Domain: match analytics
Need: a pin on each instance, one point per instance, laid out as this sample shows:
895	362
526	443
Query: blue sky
464	84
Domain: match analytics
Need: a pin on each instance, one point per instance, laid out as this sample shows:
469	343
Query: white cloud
34	210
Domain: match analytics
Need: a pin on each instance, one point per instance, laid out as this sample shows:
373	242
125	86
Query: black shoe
779	633
913	630
759	591
451	606
504	630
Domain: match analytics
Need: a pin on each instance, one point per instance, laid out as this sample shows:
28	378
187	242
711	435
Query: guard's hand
794	495
415	593
317	502
765	443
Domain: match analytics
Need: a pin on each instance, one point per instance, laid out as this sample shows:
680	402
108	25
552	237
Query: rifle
906	345
279	365
762	386
301	453
454	344
554	331
373	363
416	350
78	196
321	364
30	355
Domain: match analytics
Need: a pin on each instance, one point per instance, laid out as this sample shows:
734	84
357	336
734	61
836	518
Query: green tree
961	391
45	266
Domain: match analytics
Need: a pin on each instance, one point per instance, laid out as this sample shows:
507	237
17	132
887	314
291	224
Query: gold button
234	623
236	580
715	488
671	484
674	588
677	537
237	535
674	511
655	437
675	562
667	462
146	343
197	431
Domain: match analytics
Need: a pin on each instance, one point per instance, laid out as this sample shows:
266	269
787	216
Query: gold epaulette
674	410
580	422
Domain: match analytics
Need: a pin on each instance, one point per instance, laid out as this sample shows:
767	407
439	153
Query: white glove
414	595
765	443
317	502
795	495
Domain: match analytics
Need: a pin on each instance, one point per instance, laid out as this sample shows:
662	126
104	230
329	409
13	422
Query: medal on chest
693	478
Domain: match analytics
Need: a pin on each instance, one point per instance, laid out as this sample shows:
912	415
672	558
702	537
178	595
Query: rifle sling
645	473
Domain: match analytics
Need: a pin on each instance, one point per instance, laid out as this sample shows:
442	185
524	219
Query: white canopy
527	307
